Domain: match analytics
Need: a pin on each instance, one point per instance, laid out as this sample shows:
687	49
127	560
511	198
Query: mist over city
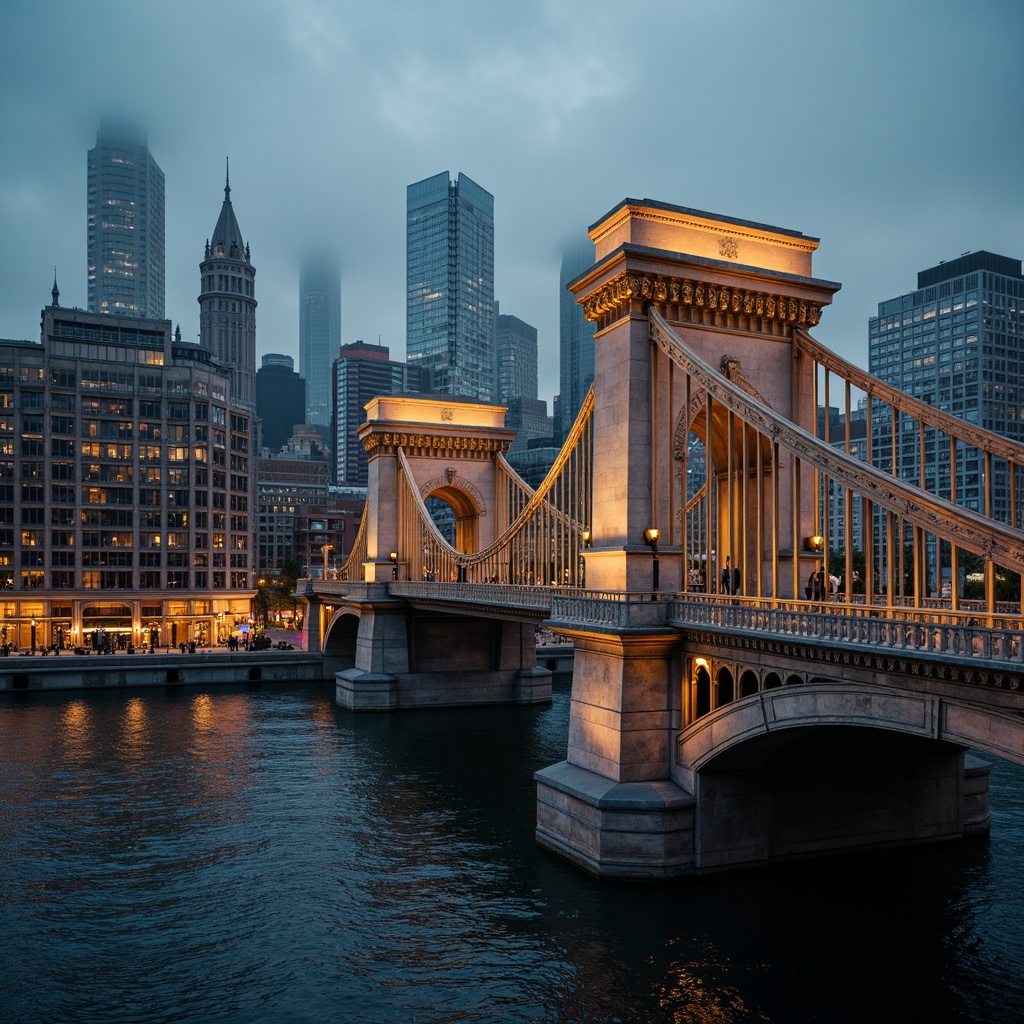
889	131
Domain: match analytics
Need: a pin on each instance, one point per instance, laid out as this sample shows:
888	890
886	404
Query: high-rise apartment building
575	337
124	504
319	331
280	400
227	304
361	373
450	284
515	359
955	343
125	246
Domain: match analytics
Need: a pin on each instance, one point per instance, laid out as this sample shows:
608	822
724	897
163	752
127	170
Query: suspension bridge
775	654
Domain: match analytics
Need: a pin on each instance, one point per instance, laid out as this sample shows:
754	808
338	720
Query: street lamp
32	634
585	537
394	564
651	535
327	548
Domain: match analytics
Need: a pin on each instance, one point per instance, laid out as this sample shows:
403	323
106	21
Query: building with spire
125	245
319	331
227	304
449	325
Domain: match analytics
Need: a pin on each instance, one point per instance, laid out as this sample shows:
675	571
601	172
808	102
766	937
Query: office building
954	343
529	418
227	305
575	337
124	504
450	284
125	244
515	359
319	331
280	400
361	373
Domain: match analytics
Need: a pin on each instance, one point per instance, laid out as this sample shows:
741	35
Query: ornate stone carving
434	442
728	248
739	308
733	370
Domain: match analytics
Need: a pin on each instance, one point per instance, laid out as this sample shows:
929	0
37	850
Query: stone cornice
726	228
693	299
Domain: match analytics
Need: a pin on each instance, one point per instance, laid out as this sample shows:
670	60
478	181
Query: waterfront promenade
23	670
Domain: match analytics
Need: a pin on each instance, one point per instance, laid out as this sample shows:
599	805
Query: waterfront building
515	359
125	484
362	372
125	242
319	331
280	400
227	304
575	337
450	284
286	483
954	343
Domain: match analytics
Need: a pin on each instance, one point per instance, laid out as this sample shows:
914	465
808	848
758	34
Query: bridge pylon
737	290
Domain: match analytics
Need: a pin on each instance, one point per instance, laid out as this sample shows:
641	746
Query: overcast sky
893	131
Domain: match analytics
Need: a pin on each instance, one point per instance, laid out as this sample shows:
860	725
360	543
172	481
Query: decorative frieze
434	442
694	300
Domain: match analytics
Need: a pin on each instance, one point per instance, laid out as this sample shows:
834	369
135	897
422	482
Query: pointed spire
56	291
227	179
227	239
177	335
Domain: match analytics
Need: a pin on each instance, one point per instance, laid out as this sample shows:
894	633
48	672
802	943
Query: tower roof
227	233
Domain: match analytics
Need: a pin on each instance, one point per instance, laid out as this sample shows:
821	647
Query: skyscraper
954	342
280	399
126	224
575	337
319	331
450	284
227	304
361	373
515	357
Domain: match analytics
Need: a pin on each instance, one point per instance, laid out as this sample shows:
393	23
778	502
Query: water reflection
258	854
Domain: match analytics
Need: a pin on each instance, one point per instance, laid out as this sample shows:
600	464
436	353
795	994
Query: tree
289	575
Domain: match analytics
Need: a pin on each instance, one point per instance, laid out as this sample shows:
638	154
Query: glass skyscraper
319	331
515	374
450	284
575	337
125	245
955	343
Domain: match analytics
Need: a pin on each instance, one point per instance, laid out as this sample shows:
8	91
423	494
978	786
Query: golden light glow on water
76	726
133	743
202	712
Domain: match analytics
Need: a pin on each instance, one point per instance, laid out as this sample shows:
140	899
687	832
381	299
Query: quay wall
112	671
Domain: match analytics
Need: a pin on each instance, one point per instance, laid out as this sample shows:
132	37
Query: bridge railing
955	634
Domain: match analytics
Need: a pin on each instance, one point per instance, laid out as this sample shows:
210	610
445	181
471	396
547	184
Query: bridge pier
611	806
402	658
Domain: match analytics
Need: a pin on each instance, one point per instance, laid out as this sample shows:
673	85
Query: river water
258	854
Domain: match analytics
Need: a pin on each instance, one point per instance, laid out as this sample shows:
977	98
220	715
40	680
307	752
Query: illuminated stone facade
125	481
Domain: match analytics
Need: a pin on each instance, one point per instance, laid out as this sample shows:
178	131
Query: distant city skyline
338	116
